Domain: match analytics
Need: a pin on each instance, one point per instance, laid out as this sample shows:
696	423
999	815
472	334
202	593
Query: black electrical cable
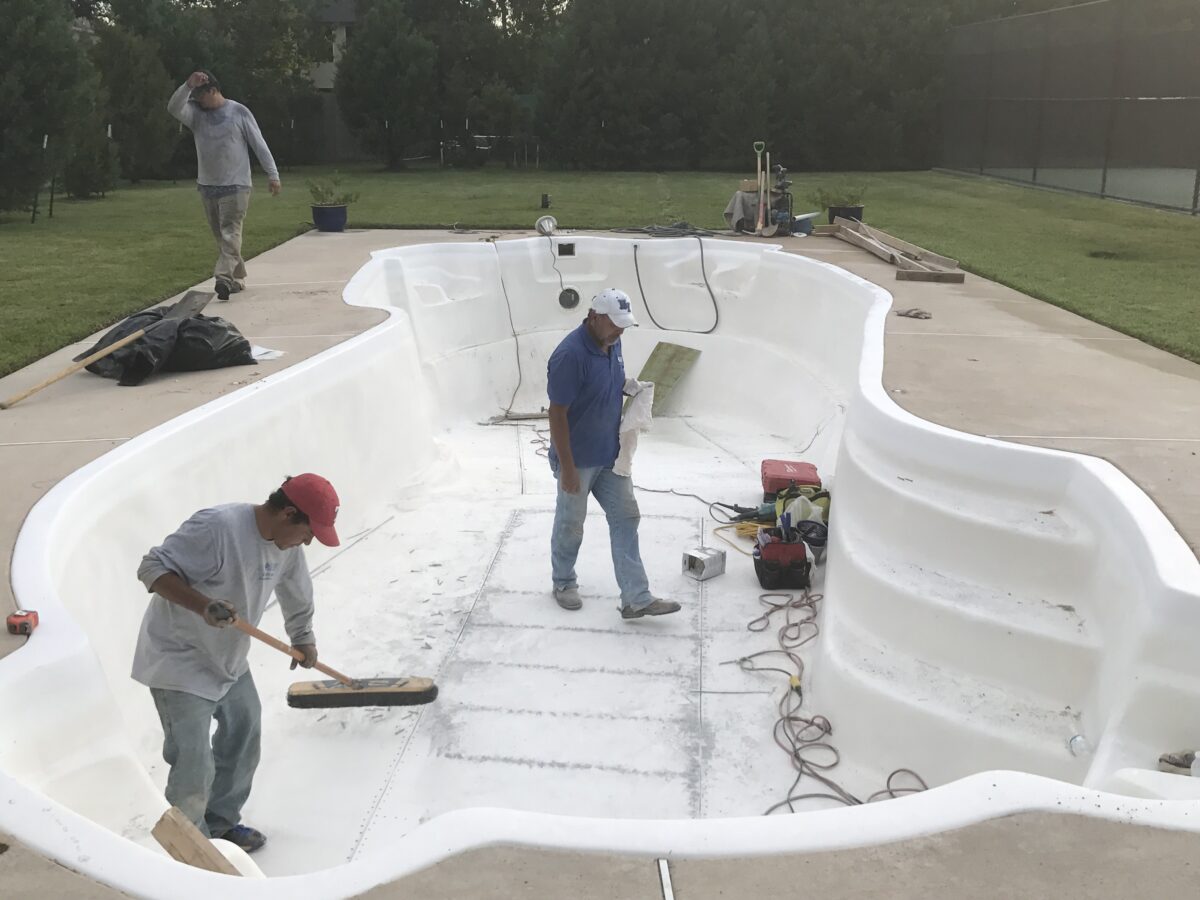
801	736
513	327
679	229
703	271
554	264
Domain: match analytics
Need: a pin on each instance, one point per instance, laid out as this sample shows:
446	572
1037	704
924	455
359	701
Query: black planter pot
329	218
846	212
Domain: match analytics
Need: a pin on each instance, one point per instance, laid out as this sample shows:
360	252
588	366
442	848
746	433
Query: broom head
409	691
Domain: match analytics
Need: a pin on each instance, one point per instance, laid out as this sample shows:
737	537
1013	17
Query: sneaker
568	597
655	608
249	839
1179	763
223	290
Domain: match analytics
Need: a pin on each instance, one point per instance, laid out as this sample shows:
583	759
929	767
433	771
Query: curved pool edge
80	844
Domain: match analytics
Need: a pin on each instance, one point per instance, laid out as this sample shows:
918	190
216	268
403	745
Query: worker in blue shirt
585	383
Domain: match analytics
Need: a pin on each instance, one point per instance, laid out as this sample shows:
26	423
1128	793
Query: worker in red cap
222	565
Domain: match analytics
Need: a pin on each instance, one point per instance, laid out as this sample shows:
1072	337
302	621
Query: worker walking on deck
585	383
224	130
221	565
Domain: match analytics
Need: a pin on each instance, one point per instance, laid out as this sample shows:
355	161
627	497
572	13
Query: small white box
703	563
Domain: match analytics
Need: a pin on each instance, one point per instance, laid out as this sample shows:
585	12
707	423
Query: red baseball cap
315	497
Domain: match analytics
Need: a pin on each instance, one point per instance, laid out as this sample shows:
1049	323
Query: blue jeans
210	780
615	494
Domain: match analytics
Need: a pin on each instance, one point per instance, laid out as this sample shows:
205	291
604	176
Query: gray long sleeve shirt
223	137
220	553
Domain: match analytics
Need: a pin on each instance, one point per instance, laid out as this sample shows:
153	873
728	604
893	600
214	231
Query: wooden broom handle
99	354
279	645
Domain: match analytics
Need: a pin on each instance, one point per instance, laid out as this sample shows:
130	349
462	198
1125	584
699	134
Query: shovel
770	226
759	147
346	691
192	303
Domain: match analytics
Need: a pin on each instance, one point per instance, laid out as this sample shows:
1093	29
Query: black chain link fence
1102	98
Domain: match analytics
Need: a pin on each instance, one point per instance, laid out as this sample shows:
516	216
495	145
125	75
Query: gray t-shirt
222	137
220	553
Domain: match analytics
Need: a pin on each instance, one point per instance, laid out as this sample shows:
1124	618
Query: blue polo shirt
590	383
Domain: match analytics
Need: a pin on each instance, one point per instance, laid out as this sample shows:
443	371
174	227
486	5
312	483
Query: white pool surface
986	607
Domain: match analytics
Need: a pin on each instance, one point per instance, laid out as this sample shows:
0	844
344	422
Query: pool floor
577	713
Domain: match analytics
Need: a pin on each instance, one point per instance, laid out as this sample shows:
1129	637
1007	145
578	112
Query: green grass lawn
97	261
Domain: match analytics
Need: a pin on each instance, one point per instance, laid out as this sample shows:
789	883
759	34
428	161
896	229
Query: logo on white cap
615	304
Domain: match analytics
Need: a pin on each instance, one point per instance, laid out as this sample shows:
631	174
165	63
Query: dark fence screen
1102	98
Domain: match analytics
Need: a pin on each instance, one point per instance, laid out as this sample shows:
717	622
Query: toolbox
780	473
782	565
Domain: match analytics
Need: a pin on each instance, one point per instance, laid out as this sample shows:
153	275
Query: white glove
219	614
633	387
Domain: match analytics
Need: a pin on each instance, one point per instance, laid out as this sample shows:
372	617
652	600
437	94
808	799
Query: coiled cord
805	738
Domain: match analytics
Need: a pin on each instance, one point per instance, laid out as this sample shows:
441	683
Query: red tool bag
779	473
782	565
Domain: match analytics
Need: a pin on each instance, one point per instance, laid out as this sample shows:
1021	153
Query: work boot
249	839
223	289
656	607
568	597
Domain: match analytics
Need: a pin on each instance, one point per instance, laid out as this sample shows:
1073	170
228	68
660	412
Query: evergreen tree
386	81
42	68
90	162
137	85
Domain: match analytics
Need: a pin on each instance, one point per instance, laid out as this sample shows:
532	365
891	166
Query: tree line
598	84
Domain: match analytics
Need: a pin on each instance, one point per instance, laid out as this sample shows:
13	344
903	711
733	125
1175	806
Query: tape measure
23	621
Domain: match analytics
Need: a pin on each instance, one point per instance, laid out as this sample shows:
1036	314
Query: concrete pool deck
991	361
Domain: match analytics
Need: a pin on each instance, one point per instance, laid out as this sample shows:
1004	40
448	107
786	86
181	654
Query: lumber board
919	253
920	265
850	236
940	276
916	252
913	265
183	840
825	230
667	364
903	249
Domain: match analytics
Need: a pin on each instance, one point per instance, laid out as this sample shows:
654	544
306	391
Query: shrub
327	192
839	195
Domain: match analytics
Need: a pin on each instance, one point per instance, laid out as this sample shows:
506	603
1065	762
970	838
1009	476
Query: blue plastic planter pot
329	218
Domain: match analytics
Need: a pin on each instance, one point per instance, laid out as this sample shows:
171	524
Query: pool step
1022	542
898	710
1023	639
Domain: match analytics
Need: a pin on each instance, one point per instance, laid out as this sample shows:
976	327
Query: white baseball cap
615	304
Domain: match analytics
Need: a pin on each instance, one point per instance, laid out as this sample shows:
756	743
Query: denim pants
615	495
225	217
210	779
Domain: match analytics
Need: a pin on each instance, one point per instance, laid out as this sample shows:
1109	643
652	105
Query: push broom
346	691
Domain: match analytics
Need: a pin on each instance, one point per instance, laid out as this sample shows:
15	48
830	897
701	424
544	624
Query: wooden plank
904	262
940	276
666	365
918	253
920	265
183	840
850	236
825	230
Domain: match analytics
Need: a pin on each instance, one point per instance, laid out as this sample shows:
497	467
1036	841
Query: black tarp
169	345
